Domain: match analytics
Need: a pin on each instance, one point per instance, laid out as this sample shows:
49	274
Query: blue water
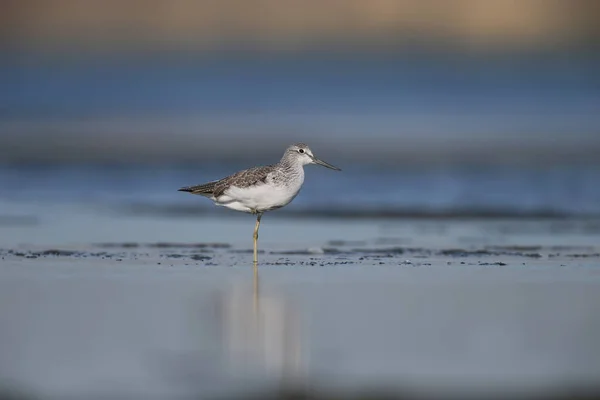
119	107
355	191
354	106
75	86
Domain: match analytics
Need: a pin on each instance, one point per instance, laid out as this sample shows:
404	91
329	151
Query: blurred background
435	107
451	116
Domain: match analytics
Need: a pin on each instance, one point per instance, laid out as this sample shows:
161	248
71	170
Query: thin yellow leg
255	236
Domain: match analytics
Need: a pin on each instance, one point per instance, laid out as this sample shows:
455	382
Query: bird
263	188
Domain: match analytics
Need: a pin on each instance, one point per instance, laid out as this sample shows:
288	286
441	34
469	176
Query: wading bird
260	189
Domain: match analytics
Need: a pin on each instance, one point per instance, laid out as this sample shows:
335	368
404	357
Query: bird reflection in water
245	339
261	333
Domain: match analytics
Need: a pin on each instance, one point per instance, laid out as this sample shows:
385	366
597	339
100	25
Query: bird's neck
292	169
289	162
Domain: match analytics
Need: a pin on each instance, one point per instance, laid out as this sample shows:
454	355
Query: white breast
260	198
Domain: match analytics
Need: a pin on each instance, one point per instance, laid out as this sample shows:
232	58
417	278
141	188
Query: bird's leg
255	236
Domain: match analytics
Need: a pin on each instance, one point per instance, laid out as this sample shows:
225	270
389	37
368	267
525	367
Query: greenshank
260	189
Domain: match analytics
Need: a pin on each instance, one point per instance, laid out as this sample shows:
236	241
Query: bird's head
302	154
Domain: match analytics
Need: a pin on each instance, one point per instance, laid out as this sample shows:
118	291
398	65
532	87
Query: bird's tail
206	189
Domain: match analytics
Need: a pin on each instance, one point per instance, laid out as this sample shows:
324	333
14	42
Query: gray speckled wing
243	179
240	179
205	189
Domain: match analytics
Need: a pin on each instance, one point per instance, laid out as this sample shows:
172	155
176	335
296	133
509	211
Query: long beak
323	163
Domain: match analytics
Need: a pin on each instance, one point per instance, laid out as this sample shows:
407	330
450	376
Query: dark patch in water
69	253
531	255
340	243
515	248
390	252
55	252
244	251
319	263
591	255
43	253
340	255
282	263
484	252
571	248
124	245
418	250
175	256
172	245
464	253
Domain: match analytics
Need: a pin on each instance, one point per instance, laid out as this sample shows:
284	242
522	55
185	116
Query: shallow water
357	191
434	263
97	302
127	328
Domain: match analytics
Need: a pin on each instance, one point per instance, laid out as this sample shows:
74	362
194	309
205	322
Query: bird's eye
301	151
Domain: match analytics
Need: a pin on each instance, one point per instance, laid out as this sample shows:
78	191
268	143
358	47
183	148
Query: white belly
260	198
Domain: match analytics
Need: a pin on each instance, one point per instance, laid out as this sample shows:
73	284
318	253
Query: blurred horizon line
158	142
283	25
